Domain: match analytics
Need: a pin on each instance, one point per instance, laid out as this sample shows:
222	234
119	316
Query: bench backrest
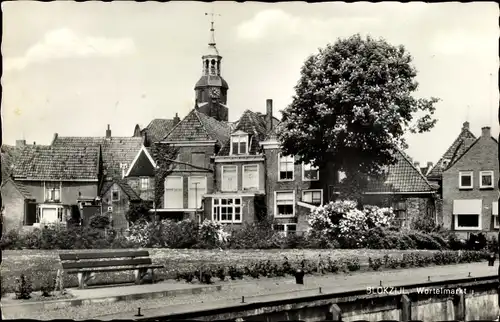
105	259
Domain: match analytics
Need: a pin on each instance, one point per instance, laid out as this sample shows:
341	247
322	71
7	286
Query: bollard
299	276
380	283
491	259
138	312
242	299
428	278
320	290
469	275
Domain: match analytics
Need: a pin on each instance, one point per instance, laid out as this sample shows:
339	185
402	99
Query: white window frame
279	167
312	168
240	138
115	189
61	214
45	190
485	173
313	190
463	174
217	205
222	178
479	222
244	182
286	228
165	191
276	215
141	182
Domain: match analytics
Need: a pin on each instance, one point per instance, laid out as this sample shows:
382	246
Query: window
285	203
197	188
313	197
174	193
494	213
400	213
465	180
229	180
50	215
144	184
286	164
467	213
486	179
309	172
227	210
251	177
115	194
239	144
53	191
198	159
285	229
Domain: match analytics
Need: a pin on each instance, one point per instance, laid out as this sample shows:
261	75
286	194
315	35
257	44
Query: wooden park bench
87	264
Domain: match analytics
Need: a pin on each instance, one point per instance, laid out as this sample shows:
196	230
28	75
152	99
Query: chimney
55	137
176	119
417	165
108	132
269	115
486	131
429	165
20	143
465	126
34	143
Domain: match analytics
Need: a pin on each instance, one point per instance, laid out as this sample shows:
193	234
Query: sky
72	68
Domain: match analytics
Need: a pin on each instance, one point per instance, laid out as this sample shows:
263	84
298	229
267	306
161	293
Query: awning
494	209
467	207
306	205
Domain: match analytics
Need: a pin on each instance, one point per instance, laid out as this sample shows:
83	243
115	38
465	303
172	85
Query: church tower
211	89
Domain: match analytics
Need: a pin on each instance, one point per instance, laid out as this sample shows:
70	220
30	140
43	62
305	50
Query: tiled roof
115	150
197	126
131	194
464	140
20	187
401	177
69	162
253	124
157	129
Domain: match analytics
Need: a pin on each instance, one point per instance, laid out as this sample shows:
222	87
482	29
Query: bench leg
138	275
81	280
152	272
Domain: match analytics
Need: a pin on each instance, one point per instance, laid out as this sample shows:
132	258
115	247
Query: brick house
198	137
141	175
49	181
240	173
118	153
470	189
404	188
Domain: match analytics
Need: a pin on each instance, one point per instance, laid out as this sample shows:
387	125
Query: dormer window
239	143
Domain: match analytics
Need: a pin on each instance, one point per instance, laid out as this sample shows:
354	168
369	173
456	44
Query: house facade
470	188
49	182
117	156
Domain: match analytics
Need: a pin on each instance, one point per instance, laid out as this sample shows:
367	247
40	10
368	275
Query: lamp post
196	201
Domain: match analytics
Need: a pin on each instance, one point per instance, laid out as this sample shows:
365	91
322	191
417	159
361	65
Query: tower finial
211	43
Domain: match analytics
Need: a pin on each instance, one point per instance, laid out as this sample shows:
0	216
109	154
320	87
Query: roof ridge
468	148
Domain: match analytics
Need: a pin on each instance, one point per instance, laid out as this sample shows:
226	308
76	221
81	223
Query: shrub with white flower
139	233
212	232
341	220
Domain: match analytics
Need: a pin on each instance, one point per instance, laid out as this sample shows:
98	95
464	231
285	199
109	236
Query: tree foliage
353	104
137	211
164	156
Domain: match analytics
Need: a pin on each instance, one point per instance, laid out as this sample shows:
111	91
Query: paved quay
121	302
330	284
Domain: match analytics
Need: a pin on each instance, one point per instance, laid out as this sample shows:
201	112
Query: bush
99	221
477	242
48	284
138	211
11	240
23	288
255	235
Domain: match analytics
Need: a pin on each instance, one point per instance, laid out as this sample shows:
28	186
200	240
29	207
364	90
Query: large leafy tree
353	104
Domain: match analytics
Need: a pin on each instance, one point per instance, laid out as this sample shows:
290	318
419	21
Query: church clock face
215	92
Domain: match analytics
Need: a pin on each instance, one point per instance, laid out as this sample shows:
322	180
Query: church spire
211	44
